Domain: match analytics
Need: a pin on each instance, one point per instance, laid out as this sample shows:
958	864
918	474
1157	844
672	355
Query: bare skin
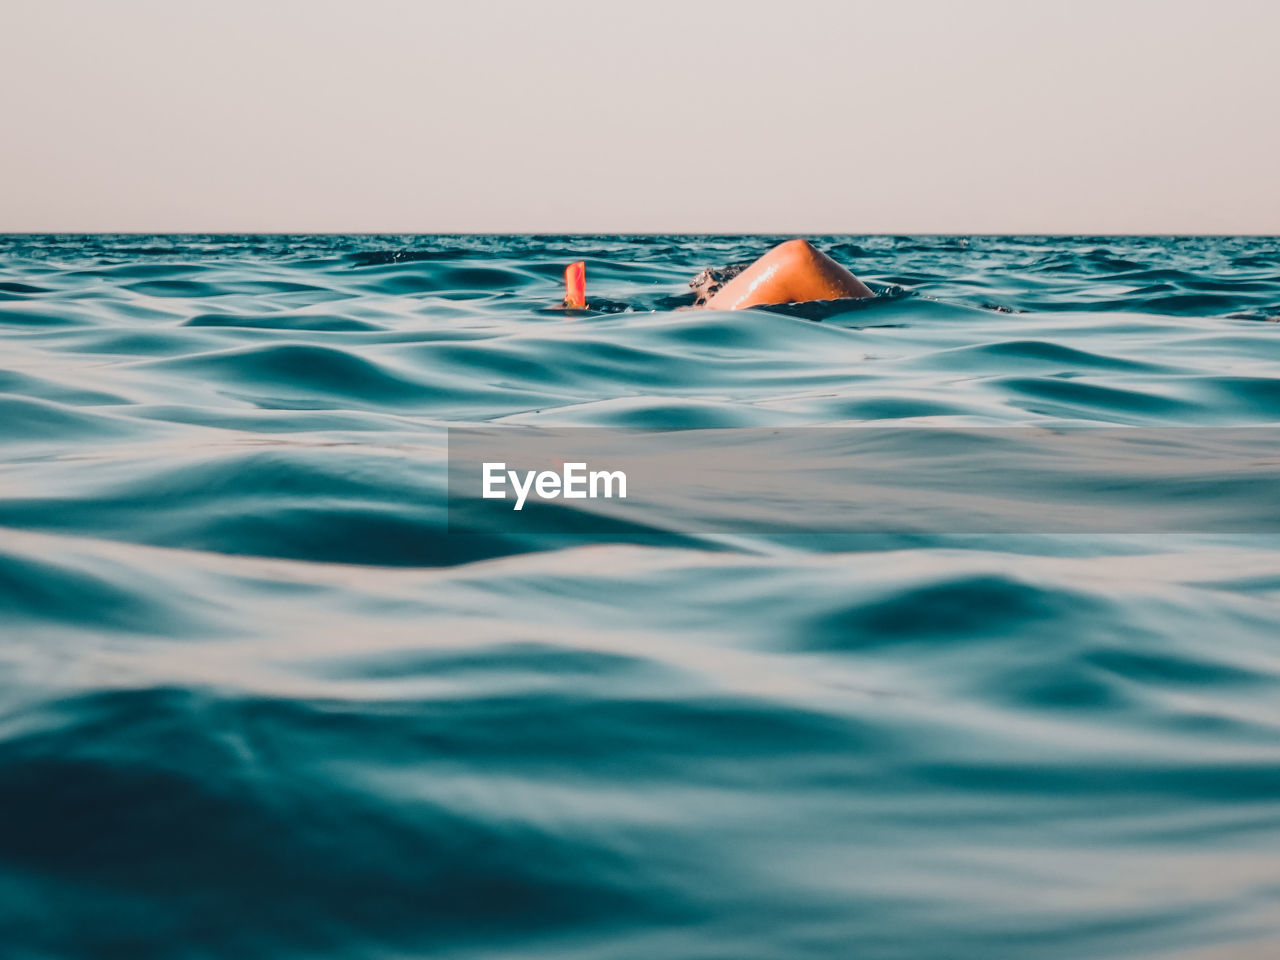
792	272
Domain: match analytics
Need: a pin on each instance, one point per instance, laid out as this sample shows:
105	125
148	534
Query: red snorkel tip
575	285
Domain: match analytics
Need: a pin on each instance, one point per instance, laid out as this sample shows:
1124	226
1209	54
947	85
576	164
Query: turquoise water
257	701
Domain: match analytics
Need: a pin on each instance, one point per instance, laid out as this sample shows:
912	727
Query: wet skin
791	272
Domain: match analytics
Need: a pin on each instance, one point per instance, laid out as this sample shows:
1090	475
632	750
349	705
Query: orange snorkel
575	285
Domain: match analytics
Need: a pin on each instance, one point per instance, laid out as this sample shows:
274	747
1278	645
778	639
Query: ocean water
258	700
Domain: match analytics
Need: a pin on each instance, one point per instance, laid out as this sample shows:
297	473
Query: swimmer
792	272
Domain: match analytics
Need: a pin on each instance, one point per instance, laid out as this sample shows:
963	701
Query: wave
263	694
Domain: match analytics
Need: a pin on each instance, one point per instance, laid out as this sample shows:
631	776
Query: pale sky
794	116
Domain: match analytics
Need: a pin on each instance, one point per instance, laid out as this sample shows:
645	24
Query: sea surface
259	700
